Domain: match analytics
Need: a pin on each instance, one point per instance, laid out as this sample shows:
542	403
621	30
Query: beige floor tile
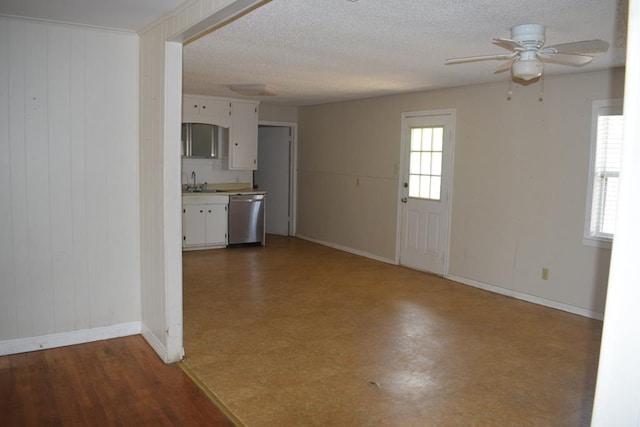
296	334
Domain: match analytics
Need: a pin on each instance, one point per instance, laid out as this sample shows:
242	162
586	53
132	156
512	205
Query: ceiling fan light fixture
253	90
527	69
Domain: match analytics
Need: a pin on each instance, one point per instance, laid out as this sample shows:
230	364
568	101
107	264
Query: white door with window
425	189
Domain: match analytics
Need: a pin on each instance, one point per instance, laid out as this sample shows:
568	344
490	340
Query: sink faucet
193	175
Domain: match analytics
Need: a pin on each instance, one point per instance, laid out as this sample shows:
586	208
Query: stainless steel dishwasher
246	219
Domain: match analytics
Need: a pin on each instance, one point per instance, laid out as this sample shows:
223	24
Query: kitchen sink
198	189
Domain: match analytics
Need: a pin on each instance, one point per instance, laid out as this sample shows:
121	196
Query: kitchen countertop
226	189
224	192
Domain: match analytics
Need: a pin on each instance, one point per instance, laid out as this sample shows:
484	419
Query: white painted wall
277	113
152	191
519	184
69	214
212	171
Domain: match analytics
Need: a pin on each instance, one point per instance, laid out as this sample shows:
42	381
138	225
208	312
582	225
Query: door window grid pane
425	162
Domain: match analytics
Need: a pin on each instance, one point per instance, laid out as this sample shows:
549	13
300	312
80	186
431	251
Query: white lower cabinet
204	221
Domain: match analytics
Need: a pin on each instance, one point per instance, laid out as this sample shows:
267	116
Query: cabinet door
216	225
194	225
215	111
190	109
243	136
206	110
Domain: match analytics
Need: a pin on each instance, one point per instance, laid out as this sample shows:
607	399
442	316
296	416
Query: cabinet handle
236	144
204	106
209	210
195	105
200	210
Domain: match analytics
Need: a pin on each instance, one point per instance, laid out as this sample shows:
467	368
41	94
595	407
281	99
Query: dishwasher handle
246	200
251	198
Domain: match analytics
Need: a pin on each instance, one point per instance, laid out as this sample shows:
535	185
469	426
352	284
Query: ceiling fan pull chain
509	92
541	97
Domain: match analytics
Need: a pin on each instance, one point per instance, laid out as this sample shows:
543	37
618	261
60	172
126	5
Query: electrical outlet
545	273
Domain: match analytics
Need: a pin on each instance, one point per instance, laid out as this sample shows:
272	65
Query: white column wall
69	228
617	399
160	218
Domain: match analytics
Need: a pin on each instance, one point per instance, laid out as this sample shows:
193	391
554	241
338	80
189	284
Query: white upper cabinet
240	116
204	109
243	136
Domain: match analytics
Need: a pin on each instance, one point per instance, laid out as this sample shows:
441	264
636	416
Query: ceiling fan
528	54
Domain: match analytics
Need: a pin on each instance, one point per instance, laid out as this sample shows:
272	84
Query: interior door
427	150
273	176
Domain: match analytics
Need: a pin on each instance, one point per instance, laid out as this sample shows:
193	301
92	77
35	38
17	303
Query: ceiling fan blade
479	58
584	46
567	59
508	43
505	67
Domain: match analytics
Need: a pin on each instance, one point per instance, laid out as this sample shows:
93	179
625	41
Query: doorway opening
276	175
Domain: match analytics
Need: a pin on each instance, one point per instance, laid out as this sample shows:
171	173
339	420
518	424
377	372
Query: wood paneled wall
69	187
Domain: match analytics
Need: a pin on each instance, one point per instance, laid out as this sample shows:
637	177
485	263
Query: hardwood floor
299	334
119	382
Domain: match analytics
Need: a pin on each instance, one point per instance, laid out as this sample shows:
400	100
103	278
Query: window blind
606	174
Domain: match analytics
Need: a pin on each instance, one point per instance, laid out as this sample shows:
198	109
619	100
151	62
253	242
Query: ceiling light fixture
253	90
528	66
527	69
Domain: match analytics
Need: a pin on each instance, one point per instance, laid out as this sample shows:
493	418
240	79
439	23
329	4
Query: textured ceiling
318	51
314	52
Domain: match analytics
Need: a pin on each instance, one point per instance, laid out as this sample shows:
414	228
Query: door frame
293	172
404	141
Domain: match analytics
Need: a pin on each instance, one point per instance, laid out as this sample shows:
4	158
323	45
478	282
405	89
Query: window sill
597	242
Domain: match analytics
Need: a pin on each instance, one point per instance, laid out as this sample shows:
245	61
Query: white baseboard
347	249
62	339
526	297
470	282
155	344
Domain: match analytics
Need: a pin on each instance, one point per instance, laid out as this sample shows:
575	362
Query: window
425	162
606	150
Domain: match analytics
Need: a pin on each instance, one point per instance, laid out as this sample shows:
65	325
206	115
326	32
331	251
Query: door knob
403	200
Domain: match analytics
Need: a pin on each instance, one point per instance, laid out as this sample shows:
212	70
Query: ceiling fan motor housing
529	35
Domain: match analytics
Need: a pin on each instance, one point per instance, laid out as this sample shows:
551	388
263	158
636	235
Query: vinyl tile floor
299	334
